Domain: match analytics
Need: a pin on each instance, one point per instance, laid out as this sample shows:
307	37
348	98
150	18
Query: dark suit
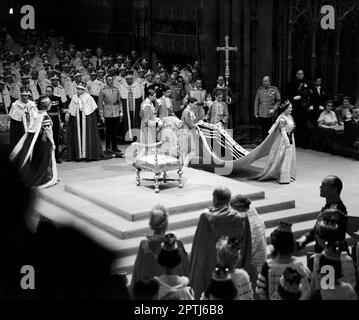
317	99
304	89
351	131
55	115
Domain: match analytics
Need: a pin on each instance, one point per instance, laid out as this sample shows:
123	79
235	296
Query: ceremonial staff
226	49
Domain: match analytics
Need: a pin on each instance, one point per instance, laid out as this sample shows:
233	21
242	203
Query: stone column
207	35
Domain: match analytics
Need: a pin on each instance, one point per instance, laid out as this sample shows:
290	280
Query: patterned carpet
248	136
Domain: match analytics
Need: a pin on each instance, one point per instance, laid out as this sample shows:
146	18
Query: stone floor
83	206
312	166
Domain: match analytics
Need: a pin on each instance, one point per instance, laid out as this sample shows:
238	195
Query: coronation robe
83	140
131	98
213	224
33	155
146	265
21	118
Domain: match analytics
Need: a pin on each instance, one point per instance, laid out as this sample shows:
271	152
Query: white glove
311	108
321	108
271	111
296	98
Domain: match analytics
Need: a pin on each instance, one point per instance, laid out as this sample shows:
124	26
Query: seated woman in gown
34	154
328	118
281	162
146	265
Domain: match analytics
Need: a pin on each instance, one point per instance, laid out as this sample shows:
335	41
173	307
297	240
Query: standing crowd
91	90
318	114
230	259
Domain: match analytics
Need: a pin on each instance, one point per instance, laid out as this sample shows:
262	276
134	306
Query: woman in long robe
34	154
281	162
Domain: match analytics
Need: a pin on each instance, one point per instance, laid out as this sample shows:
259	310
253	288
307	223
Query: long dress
348	271
188	143
34	156
148	123
83	139
268	279
146	265
281	162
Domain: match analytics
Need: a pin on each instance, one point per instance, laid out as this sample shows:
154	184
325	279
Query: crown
285	104
170	242
221	273
284	226
328	223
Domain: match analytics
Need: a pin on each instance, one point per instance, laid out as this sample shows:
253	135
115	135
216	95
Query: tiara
221	274
328	223
170	242
284	104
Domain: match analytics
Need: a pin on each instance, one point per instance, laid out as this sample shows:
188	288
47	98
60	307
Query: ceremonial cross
227	49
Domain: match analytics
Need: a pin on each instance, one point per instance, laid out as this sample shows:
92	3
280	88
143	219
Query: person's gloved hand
301	242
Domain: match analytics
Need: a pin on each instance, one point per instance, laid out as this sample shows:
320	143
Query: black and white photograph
189	150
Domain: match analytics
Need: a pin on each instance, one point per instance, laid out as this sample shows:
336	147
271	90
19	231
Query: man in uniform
121	77
95	86
330	189
266	103
109	106
59	90
177	95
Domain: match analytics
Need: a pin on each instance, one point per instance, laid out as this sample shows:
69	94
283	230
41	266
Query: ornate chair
158	158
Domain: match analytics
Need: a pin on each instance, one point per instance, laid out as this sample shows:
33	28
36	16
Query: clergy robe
83	140
131	98
211	226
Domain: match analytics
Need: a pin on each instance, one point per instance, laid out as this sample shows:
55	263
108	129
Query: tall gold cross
227	49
